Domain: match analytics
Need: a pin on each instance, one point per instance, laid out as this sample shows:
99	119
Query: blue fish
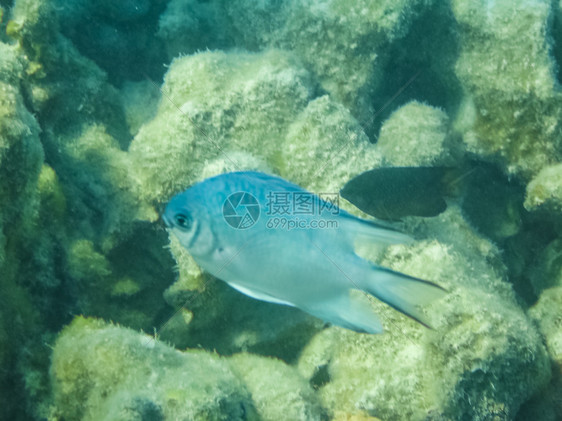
276	242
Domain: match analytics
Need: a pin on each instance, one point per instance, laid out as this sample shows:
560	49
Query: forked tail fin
404	293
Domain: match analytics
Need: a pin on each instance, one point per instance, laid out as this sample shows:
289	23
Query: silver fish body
312	266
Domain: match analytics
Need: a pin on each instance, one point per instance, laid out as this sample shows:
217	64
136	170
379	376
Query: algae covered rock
224	112
344	45
548	285
544	312
21	152
340	43
416	135
86	192
482	338
321	142
544	191
512	110
547	405
216	104
278	390
65	88
90	150
23	250
102	371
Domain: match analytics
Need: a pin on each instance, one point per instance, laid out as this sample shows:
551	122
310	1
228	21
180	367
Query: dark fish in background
395	192
490	201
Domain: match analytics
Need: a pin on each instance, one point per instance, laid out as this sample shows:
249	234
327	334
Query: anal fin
404	293
349	310
259	295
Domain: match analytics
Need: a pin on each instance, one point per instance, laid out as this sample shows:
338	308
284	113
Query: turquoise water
440	119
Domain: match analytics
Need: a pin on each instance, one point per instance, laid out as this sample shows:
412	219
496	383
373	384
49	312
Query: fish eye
183	221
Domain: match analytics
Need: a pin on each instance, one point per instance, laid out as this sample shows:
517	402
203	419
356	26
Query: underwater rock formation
214	104
511	111
102	371
545	190
21	159
480	335
417	135
99	370
340	43
93	143
548	404
478	291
